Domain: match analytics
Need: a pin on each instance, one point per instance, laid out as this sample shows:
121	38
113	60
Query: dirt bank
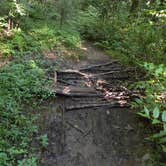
90	122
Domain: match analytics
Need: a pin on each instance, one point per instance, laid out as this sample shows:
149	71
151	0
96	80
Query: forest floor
90	122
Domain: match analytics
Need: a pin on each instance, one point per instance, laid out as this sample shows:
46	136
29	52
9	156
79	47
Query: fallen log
109	69
72	78
115	77
90	101
84	102
109	105
99	65
61	93
110	72
65	82
74	89
71	72
95	76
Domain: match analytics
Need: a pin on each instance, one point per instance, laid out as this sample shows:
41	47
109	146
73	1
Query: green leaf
164	126
164	148
162	140
146	111
155	121
164	116
143	115
156	112
159	70
28	162
161	134
138	101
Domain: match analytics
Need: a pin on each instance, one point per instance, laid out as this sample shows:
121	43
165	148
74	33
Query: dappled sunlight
98	62
50	55
84	48
4	61
121	97
66	90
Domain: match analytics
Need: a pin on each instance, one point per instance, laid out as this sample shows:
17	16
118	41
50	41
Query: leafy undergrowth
27	29
153	105
38	38
21	83
32	27
138	39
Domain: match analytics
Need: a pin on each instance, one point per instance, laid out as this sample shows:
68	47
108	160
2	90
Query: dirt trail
90	123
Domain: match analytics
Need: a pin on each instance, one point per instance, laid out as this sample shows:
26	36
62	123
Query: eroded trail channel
90	123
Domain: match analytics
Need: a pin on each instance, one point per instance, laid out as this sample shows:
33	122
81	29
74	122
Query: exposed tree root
75	127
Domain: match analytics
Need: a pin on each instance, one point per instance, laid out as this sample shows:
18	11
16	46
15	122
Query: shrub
153	105
19	84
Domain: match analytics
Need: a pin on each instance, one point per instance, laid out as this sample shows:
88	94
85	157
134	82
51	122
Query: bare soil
90	123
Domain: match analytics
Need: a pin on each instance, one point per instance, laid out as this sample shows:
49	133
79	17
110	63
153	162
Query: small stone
108	112
146	157
129	128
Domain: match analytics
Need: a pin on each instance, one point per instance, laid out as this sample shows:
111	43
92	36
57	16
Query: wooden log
61	93
122	77
112	72
73	78
74	89
72	72
65	82
109	105
107	73
109	69
99	65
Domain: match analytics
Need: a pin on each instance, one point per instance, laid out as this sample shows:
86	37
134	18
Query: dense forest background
133	31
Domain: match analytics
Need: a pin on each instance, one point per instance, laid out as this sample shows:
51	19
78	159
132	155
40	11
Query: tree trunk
134	5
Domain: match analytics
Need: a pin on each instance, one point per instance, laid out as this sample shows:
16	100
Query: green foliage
12	8
44	140
38	39
28	162
134	32
35	26
40	30
140	38
88	22
134	38
20	83
26	28
148	43
153	105
67	10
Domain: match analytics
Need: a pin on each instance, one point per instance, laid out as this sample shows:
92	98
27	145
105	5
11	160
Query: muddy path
90	122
